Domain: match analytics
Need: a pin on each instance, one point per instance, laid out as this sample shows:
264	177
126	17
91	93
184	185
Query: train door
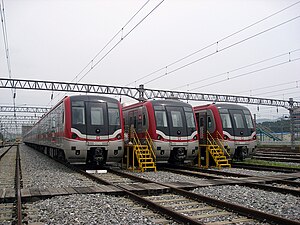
201	118
96	121
177	124
239	123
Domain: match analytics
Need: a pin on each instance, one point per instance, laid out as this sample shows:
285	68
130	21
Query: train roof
169	102
93	98
231	106
166	102
221	106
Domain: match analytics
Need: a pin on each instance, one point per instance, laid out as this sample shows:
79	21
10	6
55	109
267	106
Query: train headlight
119	136
159	137
195	137
225	137
254	137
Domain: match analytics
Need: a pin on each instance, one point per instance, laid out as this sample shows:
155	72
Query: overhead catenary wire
208	46
270	86
6	46
223	49
237	69
121	39
121	30
93	64
247	73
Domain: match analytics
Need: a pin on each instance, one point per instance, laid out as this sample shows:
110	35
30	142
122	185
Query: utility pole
292	122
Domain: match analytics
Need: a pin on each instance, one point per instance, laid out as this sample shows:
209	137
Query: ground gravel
38	170
260	173
283	205
88	209
163	176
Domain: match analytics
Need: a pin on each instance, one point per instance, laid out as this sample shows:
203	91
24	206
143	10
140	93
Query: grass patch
269	163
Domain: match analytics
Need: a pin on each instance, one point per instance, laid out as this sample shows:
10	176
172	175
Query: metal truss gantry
140	93
25	109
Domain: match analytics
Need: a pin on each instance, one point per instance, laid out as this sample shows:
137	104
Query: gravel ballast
88	209
38	170
283	205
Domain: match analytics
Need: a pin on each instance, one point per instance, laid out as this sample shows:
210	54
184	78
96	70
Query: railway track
266	168
278	155
151	200
274	183
10	185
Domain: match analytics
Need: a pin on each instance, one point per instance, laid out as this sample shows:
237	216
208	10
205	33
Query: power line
92	67
285	89
92	64
225	48
6	46
248	73
266	87
212	44
237	69
121	30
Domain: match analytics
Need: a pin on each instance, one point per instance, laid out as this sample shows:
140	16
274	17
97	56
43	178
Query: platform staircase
144	153
217	150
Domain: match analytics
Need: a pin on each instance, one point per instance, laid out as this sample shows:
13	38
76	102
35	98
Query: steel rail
18	187
6	151
155	207
244	182
255	214
267	168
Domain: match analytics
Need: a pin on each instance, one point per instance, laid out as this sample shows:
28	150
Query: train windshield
226	121
248	117
113	117
96	116
161	118
238	120
175	120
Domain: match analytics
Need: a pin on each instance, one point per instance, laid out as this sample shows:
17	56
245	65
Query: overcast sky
54	40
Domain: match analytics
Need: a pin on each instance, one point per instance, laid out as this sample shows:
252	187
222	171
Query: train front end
238	130
176	138
93	130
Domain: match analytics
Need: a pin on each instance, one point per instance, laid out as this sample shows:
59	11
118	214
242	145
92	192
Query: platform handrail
150	144
221	141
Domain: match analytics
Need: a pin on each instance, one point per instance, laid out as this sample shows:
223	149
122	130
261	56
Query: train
231	123
171	125
81	129
91	129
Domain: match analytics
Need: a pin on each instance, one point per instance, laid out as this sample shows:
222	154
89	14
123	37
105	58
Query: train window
159	107
238	119
226	122
114	116
97	116
63	117
78	115
249	121
209	122
144	120
190	119
112	105
134	122
176	119
187	109
161	119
